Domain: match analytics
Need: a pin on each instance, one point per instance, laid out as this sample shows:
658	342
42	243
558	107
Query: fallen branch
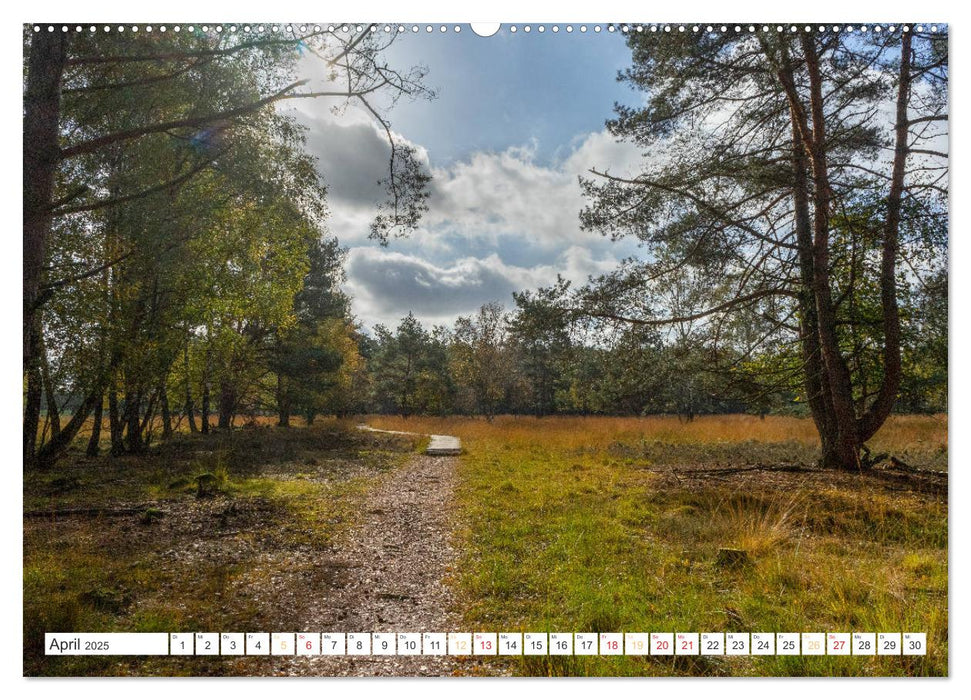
901	466
735	470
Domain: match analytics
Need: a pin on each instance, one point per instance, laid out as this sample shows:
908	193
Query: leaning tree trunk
50	396
878	412
145	429
59	443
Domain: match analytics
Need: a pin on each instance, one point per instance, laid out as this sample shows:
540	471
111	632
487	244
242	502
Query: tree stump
729	558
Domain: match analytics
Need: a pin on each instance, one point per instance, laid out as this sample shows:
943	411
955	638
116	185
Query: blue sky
517	118
511	88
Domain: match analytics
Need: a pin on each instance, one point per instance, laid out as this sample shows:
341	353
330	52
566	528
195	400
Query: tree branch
728	305
92	145
100	204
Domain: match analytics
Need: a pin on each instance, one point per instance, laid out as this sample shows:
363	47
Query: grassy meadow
562	524
615	524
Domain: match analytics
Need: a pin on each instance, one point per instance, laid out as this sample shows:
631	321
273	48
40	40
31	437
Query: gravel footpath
389	576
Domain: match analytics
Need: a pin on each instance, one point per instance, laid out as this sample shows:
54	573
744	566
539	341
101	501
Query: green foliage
315	358
409	370
481	359
540	333
187	252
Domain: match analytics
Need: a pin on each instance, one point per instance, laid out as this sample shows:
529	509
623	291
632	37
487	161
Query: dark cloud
386	285
392	284
352	158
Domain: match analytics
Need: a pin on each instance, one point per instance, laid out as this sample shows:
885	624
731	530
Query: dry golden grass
758	525
900	435
912	437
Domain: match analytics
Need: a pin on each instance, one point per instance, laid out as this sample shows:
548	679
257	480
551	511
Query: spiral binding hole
612	28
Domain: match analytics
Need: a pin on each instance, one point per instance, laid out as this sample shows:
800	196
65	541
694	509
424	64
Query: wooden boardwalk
439	446
444	446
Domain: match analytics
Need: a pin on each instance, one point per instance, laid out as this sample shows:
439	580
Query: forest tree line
541	357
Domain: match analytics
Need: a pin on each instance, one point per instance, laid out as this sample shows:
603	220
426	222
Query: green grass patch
563	537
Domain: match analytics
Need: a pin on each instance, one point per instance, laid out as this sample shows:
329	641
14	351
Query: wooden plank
444	445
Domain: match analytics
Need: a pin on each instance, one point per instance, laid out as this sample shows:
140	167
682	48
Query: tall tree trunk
846	451
227	404
817	387
94	442
205	405
166	413
878	412
115	425
828	378
283	403
42	107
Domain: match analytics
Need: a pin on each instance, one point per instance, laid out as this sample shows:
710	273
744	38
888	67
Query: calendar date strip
487	644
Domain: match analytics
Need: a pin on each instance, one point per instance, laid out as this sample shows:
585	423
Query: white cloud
352	157
498	222
490	195
482	198
602	151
